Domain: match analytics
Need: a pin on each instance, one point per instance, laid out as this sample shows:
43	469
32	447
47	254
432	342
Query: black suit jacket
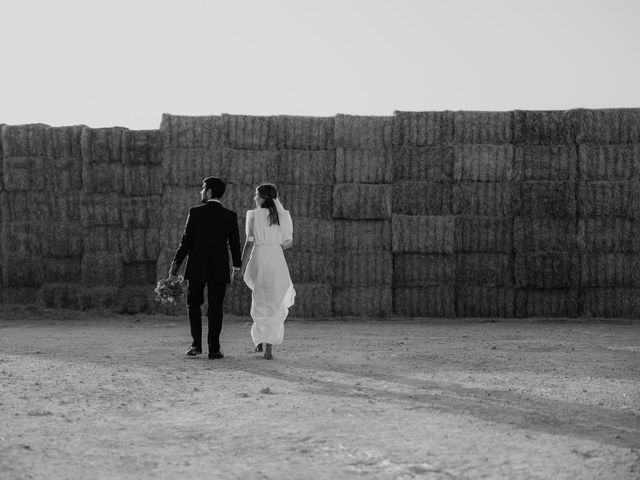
210	232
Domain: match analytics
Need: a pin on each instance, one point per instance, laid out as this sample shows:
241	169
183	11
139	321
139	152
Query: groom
210	231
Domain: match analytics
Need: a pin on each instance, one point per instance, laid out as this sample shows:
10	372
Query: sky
125	62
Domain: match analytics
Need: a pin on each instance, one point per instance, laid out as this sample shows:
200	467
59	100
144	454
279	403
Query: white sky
125	62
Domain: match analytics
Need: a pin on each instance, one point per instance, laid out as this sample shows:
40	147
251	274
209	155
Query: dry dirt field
92	396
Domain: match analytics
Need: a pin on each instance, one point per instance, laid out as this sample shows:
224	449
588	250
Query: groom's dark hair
216	185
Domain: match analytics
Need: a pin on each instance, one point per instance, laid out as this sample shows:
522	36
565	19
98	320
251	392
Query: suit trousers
195	298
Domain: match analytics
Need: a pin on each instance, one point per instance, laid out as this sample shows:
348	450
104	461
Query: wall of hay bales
431	214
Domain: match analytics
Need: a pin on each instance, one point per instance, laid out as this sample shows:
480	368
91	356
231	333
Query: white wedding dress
267	275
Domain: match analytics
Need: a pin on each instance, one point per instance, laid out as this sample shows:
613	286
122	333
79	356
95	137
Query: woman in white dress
269	230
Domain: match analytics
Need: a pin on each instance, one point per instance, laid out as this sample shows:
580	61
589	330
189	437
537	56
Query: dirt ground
97	396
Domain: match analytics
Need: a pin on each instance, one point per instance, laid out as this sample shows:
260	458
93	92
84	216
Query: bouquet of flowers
170	292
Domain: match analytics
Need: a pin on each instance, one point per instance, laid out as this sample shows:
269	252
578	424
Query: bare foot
267	351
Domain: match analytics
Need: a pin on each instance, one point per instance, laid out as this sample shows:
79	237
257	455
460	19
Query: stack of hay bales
546	237
192	149
482	203
40	234
24	154
249	158
609	209
62	233
304	177
422	223
103	272
362	217
140	212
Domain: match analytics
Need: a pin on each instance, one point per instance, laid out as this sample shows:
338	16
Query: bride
269	230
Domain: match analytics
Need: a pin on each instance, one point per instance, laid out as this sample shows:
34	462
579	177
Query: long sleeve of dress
286	224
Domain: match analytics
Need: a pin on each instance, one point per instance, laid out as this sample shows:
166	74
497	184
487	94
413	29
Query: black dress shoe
215	355
193	351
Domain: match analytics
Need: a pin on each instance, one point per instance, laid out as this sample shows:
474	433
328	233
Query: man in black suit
210	232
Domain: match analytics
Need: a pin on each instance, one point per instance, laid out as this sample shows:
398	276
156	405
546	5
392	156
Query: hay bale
103	177
609	162
310	267
62	270
610	270
547	270
608	126
65	142
362	301
362	235
354	269
102	270
102	298
361	201
312	234
491	199
253	132
546	162
103	240
610	234
28	140
176	201
312	301
305	167
102	145
354	132
250	167
545	199
141	147
142	180
140	273
140	211
542	128
22	270
435	301
56	207
137	299
141	244
421	198
100	210
24	173
494	128
363	166
63	174
547	303
59	295
422	128
18	295
483	163
419	270
546	234
475	301
483	234
22	238
422	234
483	269
188	167
609	199
429	164
16	206
308	133
612	302
179	131
62	239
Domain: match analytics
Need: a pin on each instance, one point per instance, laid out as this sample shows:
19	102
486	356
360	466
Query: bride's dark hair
267	193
